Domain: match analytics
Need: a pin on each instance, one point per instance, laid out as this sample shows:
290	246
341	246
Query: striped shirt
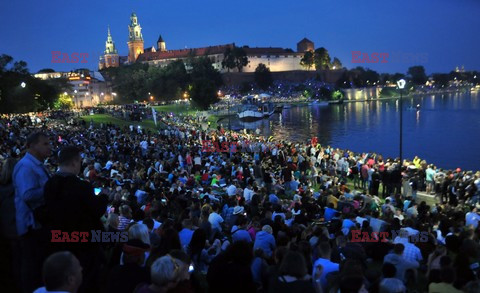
123	223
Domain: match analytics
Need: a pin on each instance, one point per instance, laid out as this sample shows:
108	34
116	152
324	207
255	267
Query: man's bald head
62	272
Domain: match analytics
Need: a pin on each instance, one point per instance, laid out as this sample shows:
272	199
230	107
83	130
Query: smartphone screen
97	190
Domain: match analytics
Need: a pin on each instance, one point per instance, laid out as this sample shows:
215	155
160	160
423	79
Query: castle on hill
277	59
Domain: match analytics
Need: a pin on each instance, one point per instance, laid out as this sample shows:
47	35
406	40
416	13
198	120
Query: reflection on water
446	130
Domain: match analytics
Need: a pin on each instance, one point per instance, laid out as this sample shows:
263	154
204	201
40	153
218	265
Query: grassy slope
105	118
177	109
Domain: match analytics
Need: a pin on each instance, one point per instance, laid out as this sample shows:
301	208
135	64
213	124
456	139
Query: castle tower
305	45
110	57
135	39
161	44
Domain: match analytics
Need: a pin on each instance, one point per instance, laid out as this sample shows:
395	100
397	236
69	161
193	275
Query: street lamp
401	85
23	84
76	98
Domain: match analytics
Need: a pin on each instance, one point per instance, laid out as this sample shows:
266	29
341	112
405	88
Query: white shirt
215	219
247	194
472	218
197	160
231	190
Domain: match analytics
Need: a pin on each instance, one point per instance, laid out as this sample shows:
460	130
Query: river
445	131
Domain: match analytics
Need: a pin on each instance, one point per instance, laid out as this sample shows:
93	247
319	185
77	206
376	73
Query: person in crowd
8	230
231	271
29	178
293	275
265	241
165	274
126	277
389	283
401	264
125	217
72	206
447	276
303	213
186	233
61	272
324	252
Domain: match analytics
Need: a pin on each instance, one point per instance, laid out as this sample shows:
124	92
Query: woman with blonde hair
138	232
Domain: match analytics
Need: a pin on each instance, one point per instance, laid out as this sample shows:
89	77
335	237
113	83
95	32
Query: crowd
273	216
280	90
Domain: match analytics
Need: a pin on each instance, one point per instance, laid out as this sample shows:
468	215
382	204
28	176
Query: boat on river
250	113
268	109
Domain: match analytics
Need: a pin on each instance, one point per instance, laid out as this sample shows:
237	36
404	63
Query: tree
441	79
337	95
64	102
235	58
205	81
336	64
417	74
397	76
228	59
307	60
34	95
245	88
371	77
322	59
263	76
325	93
46	70
344	81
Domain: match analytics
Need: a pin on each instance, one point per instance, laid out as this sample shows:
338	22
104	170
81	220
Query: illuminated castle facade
277	59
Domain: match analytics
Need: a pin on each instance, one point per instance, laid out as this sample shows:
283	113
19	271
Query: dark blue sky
440	34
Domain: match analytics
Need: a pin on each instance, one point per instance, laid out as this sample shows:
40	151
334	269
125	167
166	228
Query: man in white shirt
215	219
328	266
248	193
231	190
411	252
472	218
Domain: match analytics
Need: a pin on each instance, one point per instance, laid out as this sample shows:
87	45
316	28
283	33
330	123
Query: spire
110	44
160	39
109	35
134	29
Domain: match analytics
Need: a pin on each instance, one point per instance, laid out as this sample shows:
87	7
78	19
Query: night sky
439	34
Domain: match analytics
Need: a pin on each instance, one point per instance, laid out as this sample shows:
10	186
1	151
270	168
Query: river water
445	131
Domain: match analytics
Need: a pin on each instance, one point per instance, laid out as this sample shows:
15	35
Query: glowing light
23	84
401	83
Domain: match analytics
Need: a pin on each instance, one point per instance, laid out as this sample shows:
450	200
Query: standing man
73	206
29	178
